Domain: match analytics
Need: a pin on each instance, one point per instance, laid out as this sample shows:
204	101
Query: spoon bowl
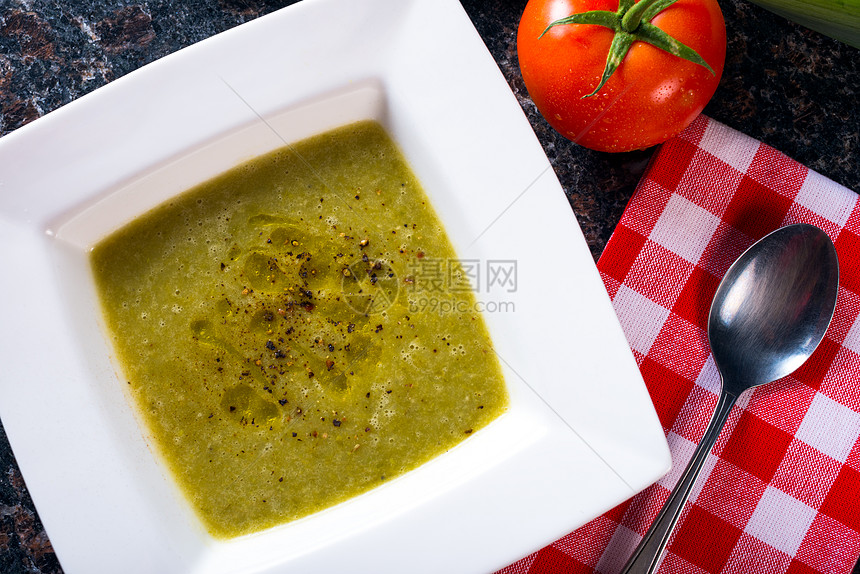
769	313
773	306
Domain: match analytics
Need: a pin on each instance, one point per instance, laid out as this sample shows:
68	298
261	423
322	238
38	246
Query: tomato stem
631	18
631	22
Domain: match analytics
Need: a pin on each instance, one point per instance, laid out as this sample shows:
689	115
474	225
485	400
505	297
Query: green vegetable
838	19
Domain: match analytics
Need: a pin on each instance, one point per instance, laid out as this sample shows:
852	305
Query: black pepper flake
270	345
282	402
330	347
335	422
223	267
232	409
295	435
350	328
310	374
378	328
279	354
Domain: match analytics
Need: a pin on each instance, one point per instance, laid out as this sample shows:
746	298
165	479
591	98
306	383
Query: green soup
266	324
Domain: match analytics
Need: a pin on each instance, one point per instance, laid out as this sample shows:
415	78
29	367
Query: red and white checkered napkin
780	492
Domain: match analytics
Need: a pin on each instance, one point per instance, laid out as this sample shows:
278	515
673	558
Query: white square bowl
581	434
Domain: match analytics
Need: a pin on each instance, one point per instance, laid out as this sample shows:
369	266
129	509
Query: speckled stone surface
789	87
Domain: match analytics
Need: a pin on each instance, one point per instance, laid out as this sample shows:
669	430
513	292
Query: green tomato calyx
631	22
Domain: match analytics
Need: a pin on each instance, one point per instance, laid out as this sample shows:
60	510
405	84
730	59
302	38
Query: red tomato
650	97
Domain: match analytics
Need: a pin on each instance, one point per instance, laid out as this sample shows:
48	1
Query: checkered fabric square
780	492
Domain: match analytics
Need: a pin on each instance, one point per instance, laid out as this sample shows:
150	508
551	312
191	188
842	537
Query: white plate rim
609	441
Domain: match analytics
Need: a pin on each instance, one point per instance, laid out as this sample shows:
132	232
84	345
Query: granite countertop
787	86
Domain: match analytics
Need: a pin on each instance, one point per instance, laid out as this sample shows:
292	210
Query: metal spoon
768	315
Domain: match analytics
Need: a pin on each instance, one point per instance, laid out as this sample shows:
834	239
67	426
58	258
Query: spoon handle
647	555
